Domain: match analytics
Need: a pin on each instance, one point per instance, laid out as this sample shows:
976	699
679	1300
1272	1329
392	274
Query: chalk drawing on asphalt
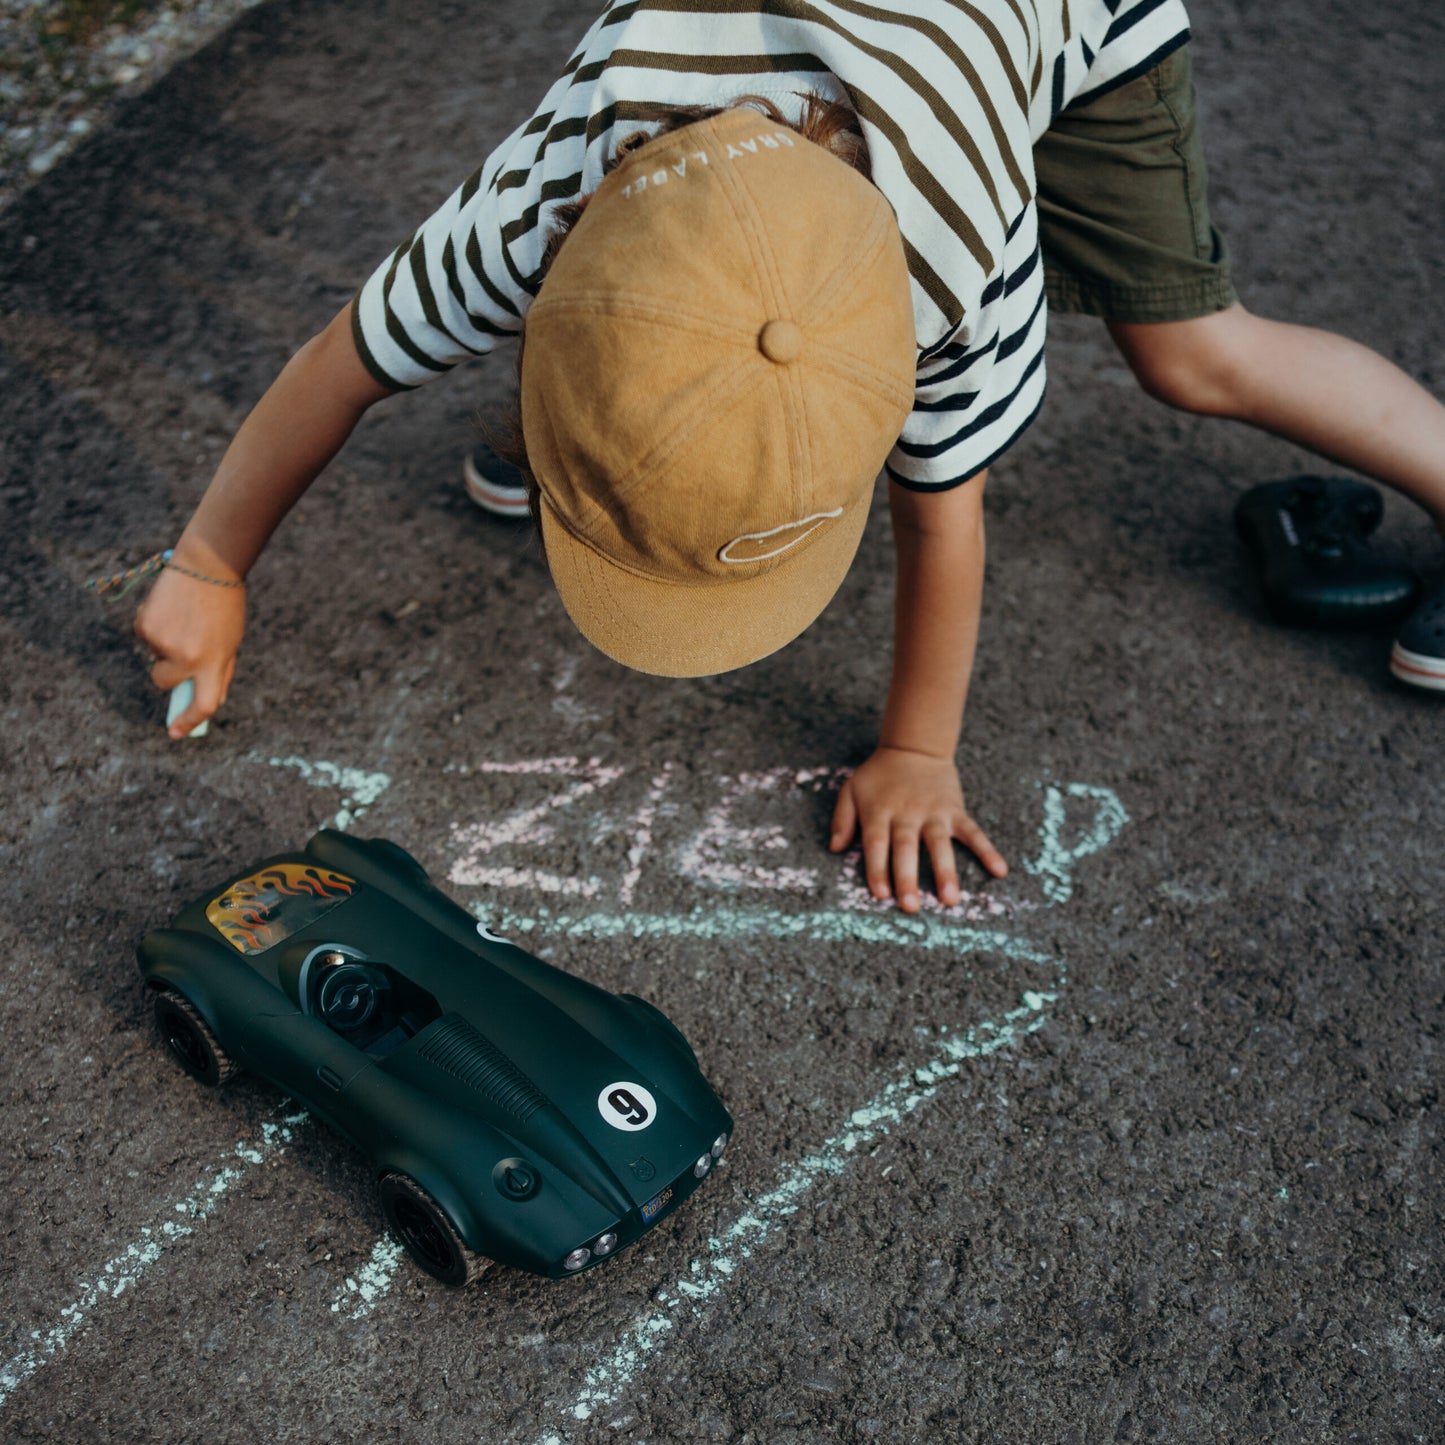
364	1290
710	854
685	1300
359	789
722	853
1055	863
708	857
124	1271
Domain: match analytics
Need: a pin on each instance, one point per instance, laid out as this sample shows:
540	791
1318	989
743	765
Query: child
740	329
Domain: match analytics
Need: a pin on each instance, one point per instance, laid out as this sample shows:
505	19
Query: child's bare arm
194	627
908	791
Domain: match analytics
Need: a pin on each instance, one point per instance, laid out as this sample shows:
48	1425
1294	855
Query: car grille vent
454	1045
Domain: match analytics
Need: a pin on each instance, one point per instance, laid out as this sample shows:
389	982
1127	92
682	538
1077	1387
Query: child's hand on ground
193	630
897	799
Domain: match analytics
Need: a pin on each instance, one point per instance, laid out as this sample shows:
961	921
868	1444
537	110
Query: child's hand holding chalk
179	630
192	623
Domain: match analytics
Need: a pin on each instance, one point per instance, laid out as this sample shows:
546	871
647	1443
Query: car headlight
604	1244
702	1165
577	1258
718	1145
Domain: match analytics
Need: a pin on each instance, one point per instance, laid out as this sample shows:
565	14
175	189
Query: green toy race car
512	1112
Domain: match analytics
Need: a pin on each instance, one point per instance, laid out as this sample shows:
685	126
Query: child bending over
799	243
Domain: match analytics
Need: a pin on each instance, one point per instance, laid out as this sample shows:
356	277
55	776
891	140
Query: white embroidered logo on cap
808	524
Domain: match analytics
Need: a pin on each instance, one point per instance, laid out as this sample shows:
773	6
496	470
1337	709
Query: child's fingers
168	673
877	843
939	838
977	842
905	866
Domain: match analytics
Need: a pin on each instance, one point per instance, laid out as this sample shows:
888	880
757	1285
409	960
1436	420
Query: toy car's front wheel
190	1040
426	1233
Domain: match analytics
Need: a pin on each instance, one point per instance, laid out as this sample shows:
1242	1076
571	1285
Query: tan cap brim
694	630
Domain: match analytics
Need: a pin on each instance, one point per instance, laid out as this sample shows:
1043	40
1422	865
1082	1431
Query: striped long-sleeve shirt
950	94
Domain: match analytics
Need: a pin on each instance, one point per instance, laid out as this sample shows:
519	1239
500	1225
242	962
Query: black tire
190	1041
425	1232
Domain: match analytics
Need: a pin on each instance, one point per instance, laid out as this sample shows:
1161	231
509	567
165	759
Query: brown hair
831	124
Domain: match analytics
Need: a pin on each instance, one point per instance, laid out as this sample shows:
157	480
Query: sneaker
1418	656
1307	538
494	485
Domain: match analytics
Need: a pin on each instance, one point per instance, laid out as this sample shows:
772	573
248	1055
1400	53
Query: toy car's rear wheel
190	1040
426	1233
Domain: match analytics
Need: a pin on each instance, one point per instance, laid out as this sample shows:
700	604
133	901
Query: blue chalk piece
181	696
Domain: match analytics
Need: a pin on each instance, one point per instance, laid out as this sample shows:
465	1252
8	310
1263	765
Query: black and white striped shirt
951	95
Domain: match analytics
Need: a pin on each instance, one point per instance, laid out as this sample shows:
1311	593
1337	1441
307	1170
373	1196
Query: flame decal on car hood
265	908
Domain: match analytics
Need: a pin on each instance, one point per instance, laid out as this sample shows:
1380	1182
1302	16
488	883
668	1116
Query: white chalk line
369	1285
685	1301
124	1271
824	926
360	789
1055	862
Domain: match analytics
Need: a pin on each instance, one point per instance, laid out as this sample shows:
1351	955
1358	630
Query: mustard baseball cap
717	364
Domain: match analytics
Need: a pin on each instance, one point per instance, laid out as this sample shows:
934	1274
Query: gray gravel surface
62	76
1142	1143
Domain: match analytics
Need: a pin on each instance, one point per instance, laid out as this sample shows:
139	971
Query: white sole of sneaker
1418	671
490	497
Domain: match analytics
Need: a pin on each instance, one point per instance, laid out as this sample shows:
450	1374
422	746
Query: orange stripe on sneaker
1399	662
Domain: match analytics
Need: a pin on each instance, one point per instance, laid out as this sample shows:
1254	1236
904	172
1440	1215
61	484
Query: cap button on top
781	341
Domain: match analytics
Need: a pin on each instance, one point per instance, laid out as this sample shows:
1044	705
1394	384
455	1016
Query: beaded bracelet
200	576
122	582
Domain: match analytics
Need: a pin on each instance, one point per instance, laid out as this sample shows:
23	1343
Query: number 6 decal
627	1106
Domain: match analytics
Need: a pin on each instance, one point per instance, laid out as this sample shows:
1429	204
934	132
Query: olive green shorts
1123	207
